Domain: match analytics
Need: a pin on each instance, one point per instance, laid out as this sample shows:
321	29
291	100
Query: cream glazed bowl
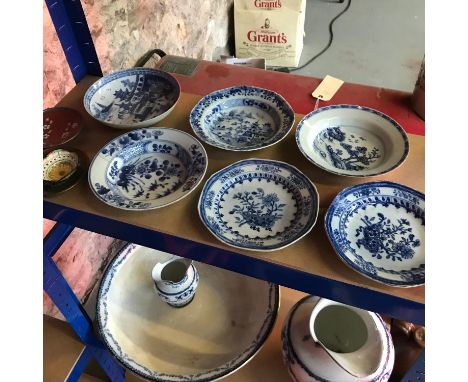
352	140
219	331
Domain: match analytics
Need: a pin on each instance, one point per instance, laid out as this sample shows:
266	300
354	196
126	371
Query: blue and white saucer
259	205
352	140
147	169
378	229
132	98
242	118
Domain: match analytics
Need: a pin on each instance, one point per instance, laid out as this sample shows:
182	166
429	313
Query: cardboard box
273	30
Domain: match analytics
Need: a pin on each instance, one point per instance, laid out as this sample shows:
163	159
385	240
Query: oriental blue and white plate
259	205
352	140
242	118
378	229
226	324
147	168
132	98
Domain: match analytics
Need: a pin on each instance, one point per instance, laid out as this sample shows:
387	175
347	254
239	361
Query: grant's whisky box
273	30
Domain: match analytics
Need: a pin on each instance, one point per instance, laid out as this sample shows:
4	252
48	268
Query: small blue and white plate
147	169
242	118
132	98
259	205
352	140
378	229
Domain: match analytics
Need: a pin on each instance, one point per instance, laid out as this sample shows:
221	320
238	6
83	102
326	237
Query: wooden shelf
308	265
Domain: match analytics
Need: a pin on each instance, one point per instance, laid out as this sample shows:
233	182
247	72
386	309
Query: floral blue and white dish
351	140
147	168
242	118
206	340
259	205
378	229
132	98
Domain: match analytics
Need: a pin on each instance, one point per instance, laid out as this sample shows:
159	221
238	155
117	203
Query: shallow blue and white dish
259	205
242	118
132	98
352	140
147	169
378	229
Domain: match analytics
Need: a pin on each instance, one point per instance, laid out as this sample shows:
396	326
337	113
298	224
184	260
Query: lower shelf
62	348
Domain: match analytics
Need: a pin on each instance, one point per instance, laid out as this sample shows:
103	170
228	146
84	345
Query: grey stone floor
376	42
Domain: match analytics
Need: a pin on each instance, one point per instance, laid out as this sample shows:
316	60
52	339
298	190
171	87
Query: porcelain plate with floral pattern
259	205
352	140
147	168
242	118
378	229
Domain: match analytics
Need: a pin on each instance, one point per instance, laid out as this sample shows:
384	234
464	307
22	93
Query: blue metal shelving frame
55	285
74	35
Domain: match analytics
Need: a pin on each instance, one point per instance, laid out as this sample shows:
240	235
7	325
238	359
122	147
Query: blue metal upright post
55	285
74	35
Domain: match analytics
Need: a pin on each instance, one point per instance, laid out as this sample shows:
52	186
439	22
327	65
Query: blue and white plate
259	204
378	229
352	140
147	169
242	118
132	98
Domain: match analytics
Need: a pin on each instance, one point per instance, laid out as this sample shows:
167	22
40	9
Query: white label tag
327	88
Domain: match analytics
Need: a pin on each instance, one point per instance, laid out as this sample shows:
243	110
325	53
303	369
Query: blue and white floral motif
383	237
131	138
352	152
147	168
242	128
257	209
377	228
145	175
132	96
242	118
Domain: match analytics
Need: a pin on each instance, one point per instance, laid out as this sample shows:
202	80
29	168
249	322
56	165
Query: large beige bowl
223	327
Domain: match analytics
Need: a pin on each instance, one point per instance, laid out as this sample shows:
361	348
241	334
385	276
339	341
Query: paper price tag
327	88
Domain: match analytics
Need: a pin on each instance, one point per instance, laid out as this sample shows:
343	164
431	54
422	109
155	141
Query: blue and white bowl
147	169
242	118
132	98
210	338
352	140
259	205
378	229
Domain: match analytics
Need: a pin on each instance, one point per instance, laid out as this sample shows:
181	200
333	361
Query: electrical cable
330	40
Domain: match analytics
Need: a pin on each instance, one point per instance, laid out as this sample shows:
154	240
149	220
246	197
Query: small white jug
176	281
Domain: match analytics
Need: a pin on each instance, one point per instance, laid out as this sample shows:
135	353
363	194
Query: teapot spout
349	335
